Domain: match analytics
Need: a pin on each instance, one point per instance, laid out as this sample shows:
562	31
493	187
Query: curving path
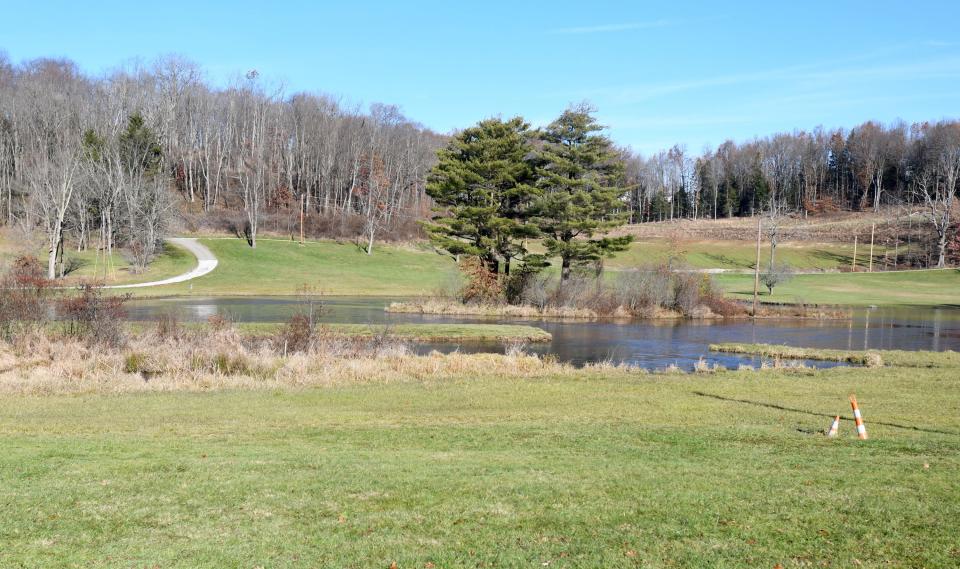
206	262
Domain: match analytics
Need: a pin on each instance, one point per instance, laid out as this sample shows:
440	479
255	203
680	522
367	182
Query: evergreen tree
580	177
139	147
482	186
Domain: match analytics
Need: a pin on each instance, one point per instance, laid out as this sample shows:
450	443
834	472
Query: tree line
108	161
101	160
865	168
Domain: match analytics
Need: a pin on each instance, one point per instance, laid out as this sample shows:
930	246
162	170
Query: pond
653	344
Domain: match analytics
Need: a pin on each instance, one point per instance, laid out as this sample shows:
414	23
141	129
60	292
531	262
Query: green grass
585	470
419	332
171	262
742	255
898	358
928	288
280	267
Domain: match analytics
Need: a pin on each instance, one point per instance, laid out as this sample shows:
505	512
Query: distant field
743	254
282	267
929	288
588	469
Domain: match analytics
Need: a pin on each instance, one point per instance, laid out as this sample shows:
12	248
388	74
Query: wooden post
756	270
870	267
302	207
853	264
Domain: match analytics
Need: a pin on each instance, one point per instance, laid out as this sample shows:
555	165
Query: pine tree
482	186
580	177
139	146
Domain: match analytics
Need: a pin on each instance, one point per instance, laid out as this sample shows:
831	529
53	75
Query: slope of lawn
739	255
282	267
742	255
87	265
928	288
586	469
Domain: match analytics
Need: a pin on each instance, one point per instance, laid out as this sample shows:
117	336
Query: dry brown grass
444	306
839	226
224	359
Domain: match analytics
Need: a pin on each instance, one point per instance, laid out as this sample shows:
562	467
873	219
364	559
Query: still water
648	343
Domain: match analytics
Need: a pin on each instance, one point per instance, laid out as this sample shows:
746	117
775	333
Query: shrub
219	323
536	291
95	318
687	290
516	283
639	292
25	300
296	335
776	274
483	286
168	325
135	362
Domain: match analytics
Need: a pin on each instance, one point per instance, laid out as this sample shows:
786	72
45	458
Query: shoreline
450	308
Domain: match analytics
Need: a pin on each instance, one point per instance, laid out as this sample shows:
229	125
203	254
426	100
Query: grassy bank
873	358
281	267
452	307
927	288
418	332
464	467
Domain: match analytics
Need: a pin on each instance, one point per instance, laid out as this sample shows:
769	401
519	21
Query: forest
121	159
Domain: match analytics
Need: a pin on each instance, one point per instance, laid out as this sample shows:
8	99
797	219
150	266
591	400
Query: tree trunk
942	249
565	269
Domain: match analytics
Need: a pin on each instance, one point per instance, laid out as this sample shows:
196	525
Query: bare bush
776	274
94	317
25	294
640	292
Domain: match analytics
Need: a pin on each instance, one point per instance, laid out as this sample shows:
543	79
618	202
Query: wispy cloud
802	76
608	28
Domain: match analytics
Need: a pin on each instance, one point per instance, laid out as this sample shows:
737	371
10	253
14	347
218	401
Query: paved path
206	262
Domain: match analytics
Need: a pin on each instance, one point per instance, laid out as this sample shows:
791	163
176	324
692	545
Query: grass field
282	267
928	288
711	254
600	468
87	266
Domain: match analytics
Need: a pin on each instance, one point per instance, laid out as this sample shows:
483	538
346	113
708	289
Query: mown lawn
710	254
87	265
589	469
928	288
281	267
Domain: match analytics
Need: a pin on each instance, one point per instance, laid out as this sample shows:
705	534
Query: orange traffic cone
861	429
834	427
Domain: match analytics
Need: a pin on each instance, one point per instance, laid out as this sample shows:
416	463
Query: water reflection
649	343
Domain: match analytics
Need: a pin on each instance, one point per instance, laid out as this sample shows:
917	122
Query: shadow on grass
724	260
815	414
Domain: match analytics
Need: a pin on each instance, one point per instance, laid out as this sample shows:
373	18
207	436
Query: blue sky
659	73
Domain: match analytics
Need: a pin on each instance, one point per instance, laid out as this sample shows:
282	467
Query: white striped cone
861	428
834	427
